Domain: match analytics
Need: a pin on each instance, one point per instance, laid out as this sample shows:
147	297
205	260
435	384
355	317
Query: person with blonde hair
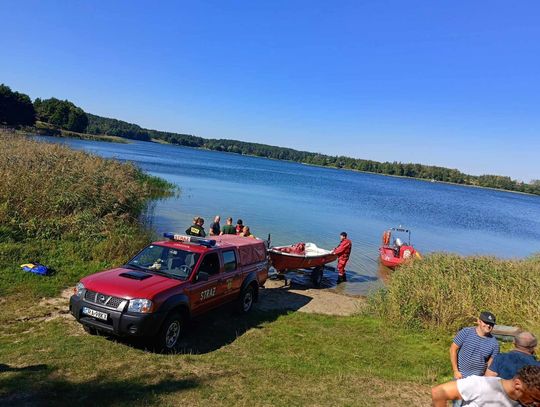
246	232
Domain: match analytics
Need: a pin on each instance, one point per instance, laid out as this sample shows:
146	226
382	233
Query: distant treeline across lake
51	116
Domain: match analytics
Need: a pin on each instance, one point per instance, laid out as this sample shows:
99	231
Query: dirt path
275	296
59	306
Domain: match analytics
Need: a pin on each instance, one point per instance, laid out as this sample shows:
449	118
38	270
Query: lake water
295	202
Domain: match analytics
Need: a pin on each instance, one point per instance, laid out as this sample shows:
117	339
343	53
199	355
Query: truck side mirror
202	276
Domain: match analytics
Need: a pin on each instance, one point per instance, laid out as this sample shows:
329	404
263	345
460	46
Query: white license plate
94	313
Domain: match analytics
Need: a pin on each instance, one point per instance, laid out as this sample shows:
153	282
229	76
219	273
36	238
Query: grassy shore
45	129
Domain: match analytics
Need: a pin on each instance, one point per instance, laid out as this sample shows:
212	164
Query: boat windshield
165	260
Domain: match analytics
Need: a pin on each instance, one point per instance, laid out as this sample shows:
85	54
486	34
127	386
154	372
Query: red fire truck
157	291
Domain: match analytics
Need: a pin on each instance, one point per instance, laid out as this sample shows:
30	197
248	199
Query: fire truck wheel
246	300
169	334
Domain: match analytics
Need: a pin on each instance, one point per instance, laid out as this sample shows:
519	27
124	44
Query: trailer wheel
317	276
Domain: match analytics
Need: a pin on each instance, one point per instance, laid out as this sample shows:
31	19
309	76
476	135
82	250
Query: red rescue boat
301	256
395	254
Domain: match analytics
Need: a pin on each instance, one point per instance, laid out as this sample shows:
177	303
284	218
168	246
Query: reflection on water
300	203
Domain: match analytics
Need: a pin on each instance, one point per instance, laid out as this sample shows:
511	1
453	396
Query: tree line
61	113
103	125
411	170
17	109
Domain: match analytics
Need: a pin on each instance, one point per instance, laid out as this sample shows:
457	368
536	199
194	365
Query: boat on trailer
396	253
301	256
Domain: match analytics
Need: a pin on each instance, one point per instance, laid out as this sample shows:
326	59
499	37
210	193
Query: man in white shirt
481	391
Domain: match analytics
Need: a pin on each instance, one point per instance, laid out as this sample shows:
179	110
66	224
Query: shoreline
116	139
157	141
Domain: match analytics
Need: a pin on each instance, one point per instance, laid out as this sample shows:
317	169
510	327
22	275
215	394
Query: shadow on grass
33	368
40	386
224	325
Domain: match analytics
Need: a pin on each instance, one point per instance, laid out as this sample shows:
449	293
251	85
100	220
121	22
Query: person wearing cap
474	348
343	251
506	365
477	391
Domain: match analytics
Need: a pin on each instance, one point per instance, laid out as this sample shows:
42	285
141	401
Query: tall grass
446	292
68	207
49	191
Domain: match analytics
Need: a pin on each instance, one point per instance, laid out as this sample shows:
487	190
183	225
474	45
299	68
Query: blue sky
449	83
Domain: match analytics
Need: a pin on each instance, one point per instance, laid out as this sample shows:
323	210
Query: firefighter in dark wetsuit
197	228
343	251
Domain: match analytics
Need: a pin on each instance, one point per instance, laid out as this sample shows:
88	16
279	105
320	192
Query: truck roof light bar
190	239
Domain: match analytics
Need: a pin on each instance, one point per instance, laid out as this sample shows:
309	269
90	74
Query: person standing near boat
343	251
239	226
197	228
397	246
215	226
228	229
246	232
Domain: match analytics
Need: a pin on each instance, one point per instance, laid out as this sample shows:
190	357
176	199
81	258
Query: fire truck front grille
104	300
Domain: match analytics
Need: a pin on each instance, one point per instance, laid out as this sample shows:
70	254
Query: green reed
66	207
446	292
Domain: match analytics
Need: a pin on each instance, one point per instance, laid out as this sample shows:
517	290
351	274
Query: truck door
207	294
232	276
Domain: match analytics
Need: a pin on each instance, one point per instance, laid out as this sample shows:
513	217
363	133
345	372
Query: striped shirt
474	351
